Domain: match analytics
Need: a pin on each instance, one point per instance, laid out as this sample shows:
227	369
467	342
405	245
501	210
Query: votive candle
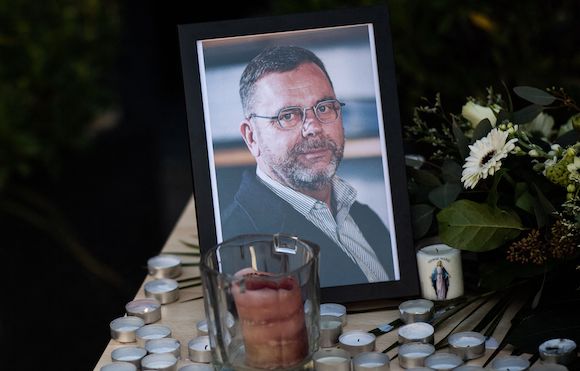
414	354
440	272
467	345
331	360
443	361
355	342
417	310
371	361
510	363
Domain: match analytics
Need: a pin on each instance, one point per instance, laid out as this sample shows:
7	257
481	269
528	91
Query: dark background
94	161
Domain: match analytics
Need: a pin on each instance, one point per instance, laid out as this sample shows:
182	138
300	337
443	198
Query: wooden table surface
182	315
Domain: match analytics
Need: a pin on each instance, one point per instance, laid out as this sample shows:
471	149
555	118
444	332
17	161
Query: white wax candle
119	366
332	360
440	272
164	266
510	363
371	361
443	361
159	361
419	331
357	338
333	309
202	327
197	367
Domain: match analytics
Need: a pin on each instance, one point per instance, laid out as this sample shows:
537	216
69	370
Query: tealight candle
333	309
164	345
331	360
443	361
164	266
202	329
469	368
355	342
197	367
419	332
414	354
561	351
548	367
440	272
152	331
159	362
148	309
199	349
119	366
123	328
510	363
371	361
420	369
467	345
165	290
330	330
418	310
131	354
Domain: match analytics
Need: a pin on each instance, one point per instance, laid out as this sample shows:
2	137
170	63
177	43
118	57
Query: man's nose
312	125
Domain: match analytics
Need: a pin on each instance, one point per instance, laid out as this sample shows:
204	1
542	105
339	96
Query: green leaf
534	95
462	141
422	218
451	171
543	208
523	197
445	194
493	196
481	130
526	114
568	139
425	178
471	226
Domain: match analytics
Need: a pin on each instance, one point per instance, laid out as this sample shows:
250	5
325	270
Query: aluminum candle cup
371	361
418	332
199	349
164	345
148	309
201	326
510	363
197	367
165	290
561	351
119	366
330	330
355	342
152	331
159	362
467	345
414	354
164	266
443	361
332	309
123	328
418	310
548	367
420	369
131	354
469	368
331	360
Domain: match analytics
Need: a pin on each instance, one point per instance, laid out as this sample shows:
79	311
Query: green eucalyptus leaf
472	226
424	178
523	197
462	141
526	114
481	130
502	116
534	95
445	194
543	208
568	139
451	171
422	218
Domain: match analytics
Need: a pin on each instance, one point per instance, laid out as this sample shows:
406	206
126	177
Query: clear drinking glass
269	285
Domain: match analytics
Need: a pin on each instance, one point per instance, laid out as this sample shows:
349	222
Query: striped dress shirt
341	228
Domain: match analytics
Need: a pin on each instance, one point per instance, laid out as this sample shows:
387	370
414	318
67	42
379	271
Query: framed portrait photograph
294	128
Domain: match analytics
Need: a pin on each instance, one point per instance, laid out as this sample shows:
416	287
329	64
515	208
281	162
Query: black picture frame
213	55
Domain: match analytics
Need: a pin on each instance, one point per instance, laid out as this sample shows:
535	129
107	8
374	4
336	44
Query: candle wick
205	347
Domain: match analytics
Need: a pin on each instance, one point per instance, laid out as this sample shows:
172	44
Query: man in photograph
293	128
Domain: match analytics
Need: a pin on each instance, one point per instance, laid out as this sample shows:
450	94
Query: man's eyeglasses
327	112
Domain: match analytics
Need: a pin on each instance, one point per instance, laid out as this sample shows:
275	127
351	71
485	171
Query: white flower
543	124
474	113
485	157
574	168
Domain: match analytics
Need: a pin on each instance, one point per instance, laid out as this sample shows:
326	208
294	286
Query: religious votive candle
164	266
417	310
355	342
330	330
271	314
443	361
118	366
152	331
418	332
148	309
440	272
510	363
131	354
123	329
164	345
331	360
371	361
159	362
334	309
165	290
414	354
561	351
199	349
467	345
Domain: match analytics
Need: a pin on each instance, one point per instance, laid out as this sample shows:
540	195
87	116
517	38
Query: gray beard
300	177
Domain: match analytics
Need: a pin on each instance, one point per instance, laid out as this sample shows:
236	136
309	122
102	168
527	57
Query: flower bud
474	113
533	153
571	188
576	121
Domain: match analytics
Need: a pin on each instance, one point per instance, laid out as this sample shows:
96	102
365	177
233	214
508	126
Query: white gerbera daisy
485	157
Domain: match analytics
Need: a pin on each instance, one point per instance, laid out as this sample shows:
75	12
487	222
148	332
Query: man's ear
250	137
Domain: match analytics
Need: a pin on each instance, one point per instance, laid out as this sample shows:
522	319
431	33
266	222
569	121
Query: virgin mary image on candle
440	280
